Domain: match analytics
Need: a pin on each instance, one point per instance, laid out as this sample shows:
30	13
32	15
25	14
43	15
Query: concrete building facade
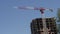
37	26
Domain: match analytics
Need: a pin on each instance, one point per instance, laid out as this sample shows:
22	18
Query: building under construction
37	26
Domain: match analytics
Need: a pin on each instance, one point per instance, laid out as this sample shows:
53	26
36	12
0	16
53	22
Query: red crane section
34	8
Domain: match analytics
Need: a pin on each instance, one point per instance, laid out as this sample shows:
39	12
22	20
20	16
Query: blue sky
15	21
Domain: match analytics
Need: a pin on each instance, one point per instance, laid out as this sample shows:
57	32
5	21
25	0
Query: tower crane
42	13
